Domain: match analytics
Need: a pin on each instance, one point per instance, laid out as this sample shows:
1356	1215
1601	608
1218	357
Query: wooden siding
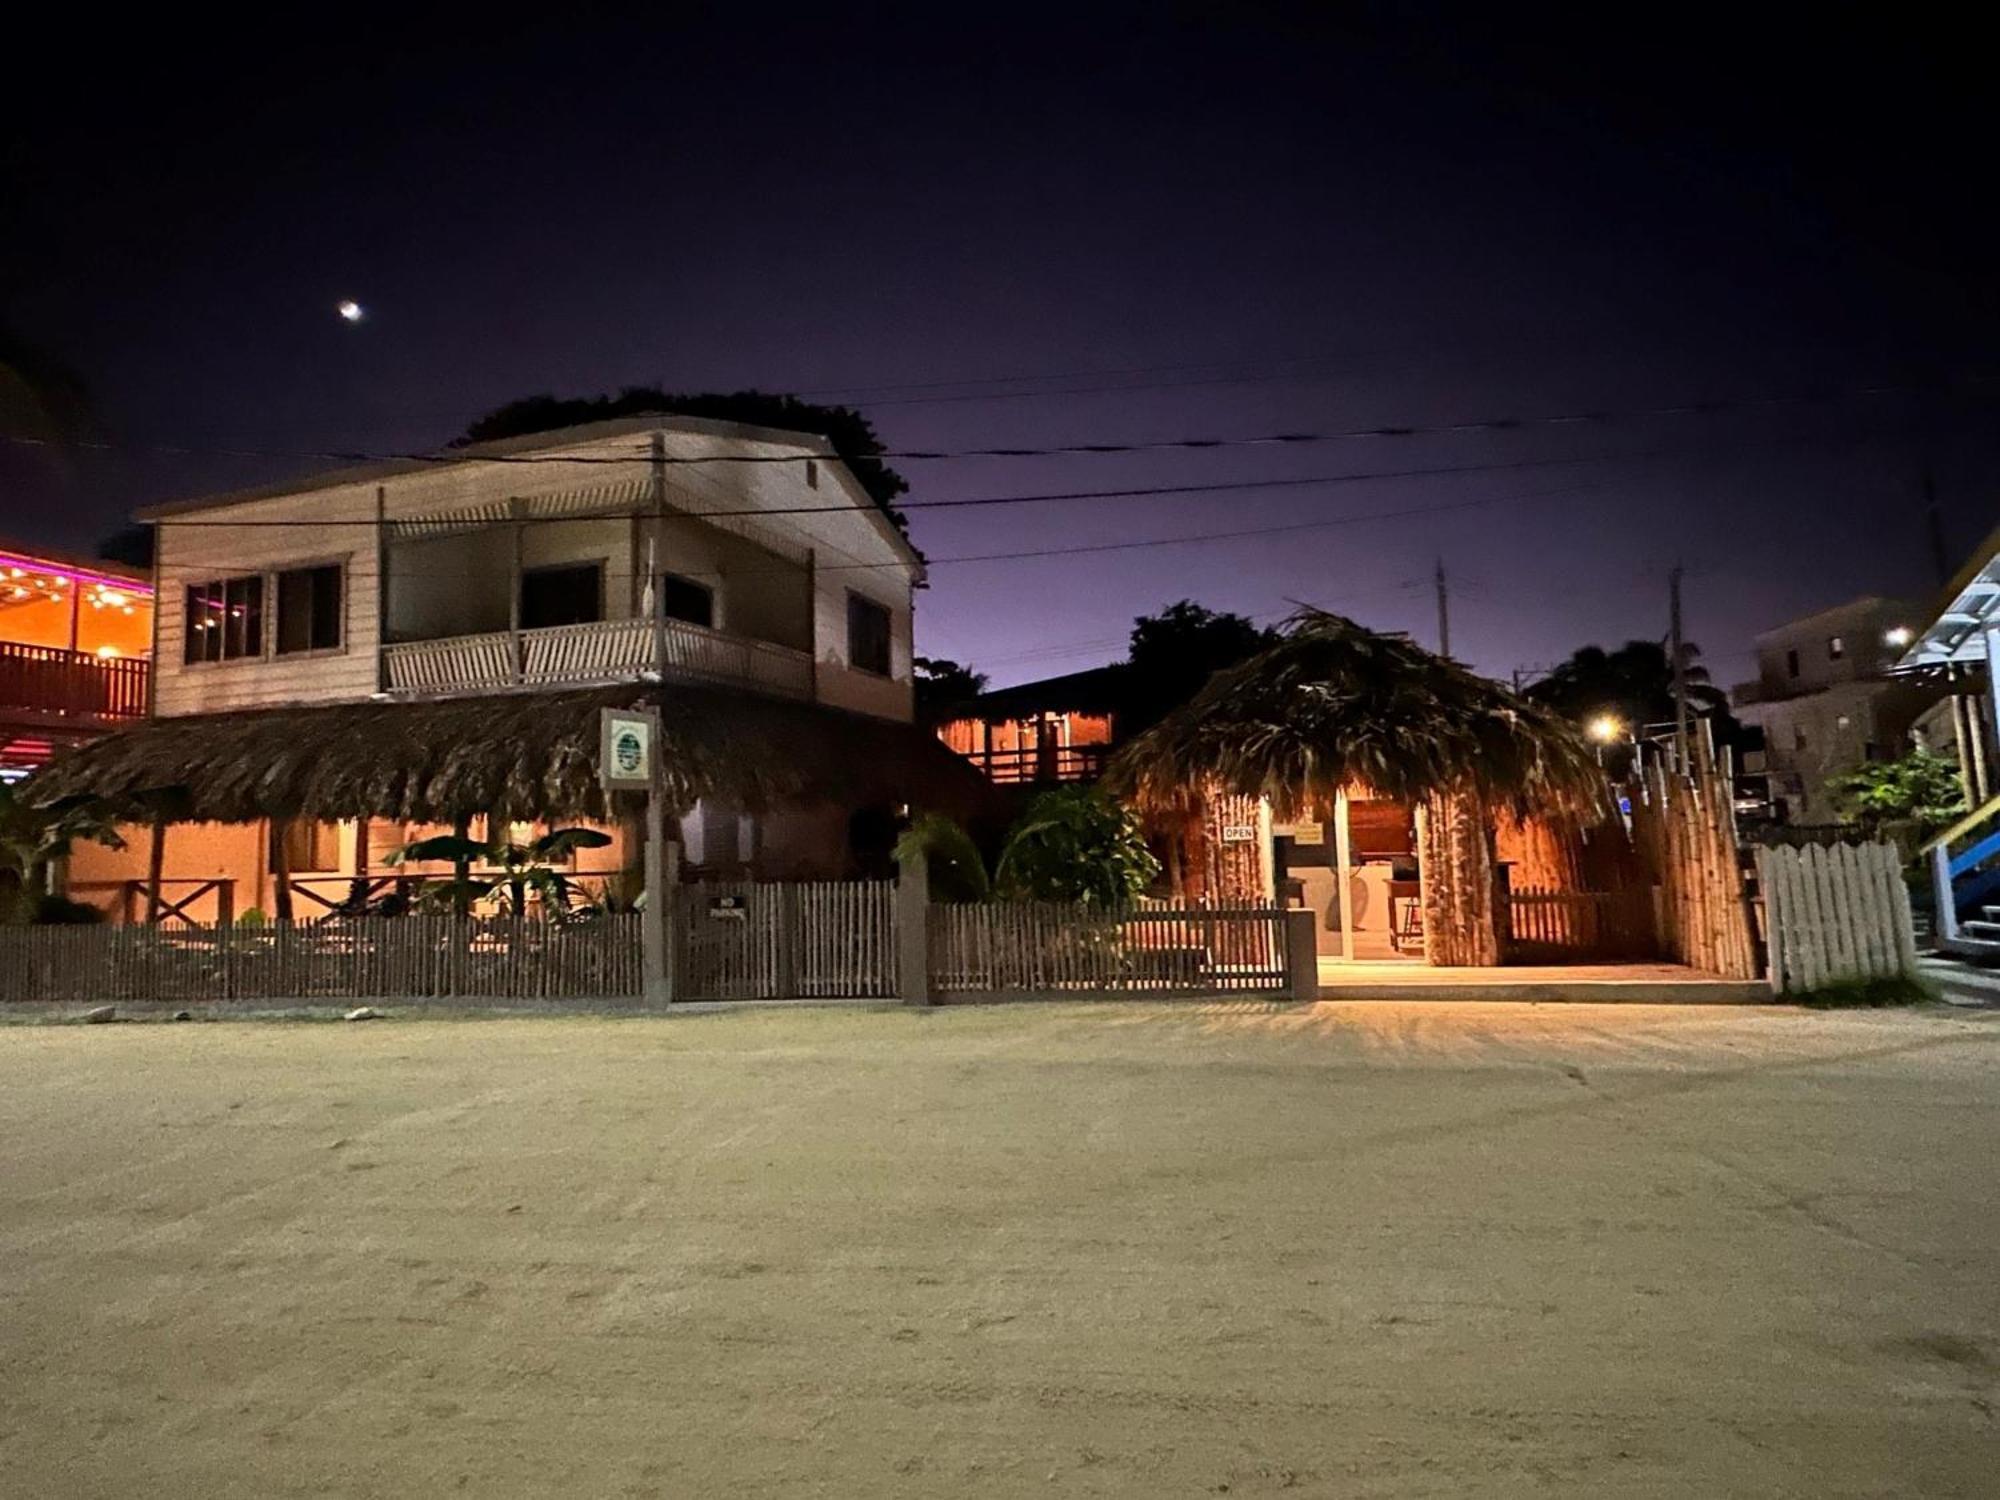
847	541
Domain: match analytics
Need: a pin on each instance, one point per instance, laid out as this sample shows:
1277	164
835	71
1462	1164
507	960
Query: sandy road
1366	1249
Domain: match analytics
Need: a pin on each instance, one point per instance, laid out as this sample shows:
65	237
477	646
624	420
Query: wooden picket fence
786	940
1548	925
1045	947
414	956
1835	913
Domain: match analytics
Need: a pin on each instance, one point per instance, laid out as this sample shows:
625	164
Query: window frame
600	566
340	565
712	593
888	668
224	657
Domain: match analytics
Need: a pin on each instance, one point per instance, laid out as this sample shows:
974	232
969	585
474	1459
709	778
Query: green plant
251	918
1922	787
520	870
33	837
1075	844
956	872
1865	994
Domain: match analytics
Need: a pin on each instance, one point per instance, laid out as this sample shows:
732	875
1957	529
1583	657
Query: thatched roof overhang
516	755
1333	706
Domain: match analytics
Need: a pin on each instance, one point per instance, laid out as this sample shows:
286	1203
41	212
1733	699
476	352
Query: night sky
1083	224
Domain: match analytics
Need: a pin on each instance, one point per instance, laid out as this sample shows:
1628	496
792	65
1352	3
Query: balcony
53	687
600	651
1041	764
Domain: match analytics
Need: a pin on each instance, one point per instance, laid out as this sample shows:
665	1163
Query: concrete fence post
913	948
1301	955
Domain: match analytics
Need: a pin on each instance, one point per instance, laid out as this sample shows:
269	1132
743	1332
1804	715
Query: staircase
1965	879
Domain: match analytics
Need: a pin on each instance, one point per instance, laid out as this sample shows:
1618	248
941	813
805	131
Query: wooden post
1301	956
662	878
913	900
461	871
514	589
281	874
1947	907
1343	879
381	588
156	863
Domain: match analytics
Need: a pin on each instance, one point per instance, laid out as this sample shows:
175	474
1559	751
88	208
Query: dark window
1791	663
1798	739
812	474
309	609
867	635
1835	648
225	620
569	595
684	599
309	845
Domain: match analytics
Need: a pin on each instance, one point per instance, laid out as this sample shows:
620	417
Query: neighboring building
1826	703
369	614
1060	729
1952	647
76	637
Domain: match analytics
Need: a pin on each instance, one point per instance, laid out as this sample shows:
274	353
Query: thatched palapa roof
1334	706
515	755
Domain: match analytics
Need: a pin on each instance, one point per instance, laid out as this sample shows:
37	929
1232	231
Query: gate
785	940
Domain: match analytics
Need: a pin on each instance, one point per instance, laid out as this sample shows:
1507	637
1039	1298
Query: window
684	599
225	620
1836	647
309	613
812	474
1798	738
1791	663
569	595
867	635
309	845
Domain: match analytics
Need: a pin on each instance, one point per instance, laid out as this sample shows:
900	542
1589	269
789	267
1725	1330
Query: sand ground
1354	1250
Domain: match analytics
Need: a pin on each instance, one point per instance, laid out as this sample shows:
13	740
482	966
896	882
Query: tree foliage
954	868
520	870
32	838
1075	844
1922	788
944	687
852	435
1175	652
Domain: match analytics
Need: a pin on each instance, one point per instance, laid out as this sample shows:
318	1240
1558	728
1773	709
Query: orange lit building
76	645
1059	729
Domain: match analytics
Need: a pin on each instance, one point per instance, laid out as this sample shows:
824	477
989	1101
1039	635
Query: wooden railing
1045	764
72	684
600	651
1043	947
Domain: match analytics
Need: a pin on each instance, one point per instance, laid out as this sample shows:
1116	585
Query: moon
349	310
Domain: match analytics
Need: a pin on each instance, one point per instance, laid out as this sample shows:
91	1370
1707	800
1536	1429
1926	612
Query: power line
1037	498
1711	407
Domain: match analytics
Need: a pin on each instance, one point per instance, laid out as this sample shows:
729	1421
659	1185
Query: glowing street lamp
1605	728
1898	636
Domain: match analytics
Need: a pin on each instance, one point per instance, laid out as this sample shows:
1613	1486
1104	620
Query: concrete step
1984	931
1973	947
1962	984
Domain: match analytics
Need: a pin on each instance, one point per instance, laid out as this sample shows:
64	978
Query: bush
60	911
1865	994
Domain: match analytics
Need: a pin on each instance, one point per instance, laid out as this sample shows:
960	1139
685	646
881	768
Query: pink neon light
73	575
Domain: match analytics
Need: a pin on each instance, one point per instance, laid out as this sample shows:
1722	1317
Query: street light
1898	636
1605	728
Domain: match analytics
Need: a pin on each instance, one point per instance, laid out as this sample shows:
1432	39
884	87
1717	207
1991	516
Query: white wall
770	505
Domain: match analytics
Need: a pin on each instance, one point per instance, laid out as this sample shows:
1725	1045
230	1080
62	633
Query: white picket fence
1835	913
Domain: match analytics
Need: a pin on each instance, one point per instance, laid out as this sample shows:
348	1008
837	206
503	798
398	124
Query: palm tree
1333	707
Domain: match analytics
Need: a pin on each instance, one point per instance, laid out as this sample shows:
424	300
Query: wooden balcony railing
48	680
600	651
1048	763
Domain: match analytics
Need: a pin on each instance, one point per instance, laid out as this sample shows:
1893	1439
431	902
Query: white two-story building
360	658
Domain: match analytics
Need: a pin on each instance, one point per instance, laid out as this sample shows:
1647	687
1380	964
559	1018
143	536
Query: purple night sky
1283	222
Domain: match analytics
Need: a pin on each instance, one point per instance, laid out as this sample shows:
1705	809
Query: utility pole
1680	668
1934	520
1444	612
